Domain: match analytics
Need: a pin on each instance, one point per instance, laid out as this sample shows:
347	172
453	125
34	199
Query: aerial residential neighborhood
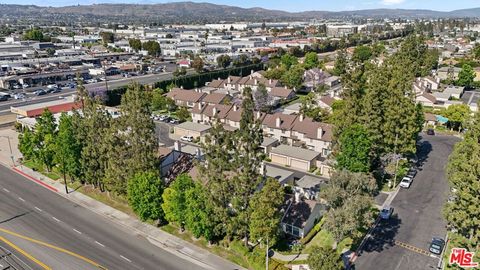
223	135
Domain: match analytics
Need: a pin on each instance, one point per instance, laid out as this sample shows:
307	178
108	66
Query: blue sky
288	5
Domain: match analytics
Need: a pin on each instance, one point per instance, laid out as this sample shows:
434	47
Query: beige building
294	157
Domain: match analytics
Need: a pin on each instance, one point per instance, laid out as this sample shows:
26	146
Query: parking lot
402	242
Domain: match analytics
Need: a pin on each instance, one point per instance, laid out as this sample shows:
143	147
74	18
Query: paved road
402	242
163	133
32	99
32	211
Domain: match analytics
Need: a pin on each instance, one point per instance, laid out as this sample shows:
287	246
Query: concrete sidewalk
156	236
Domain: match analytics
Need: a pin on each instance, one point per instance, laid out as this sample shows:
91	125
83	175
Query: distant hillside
201	13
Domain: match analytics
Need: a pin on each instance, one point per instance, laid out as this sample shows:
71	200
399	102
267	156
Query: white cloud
392	2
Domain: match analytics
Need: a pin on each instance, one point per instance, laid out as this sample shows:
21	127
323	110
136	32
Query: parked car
406	182
40	92
162	117
386	212
411	173
3	98
52	86
430	132
187	138
56	90
19	96
173	121
437	245
166	119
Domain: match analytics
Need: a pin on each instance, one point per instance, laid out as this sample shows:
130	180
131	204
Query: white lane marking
38	209
77	231
100	244
126	259
56	219
6	190
21	199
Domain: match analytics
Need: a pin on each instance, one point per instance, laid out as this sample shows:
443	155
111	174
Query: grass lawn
39	168
322	239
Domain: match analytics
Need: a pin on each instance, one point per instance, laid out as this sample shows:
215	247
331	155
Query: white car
406	182
19	96
187	138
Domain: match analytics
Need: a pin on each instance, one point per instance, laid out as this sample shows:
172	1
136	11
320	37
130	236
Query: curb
34	179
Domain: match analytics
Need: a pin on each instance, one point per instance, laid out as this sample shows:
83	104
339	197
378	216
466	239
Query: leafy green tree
311	60
289	60
350	219
26	144
247	159
265	212
135	44
45	132
34	34
161	102
457	115
293	77
341	63
50	52
134	138
152	47
354	150
183	114
93	130
107	37
466	76
144	195
321	258
463	176
199	213
275	73
362	54
174	205
67	149
218	151
198	64
224	61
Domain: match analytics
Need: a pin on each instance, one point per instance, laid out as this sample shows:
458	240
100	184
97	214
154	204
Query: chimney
235	107
181	86
199	106
301	117
251	71
258	114
198	153
319	132
229	80
286	87
278	122
214	111
270	81
255	82
219	78
177	146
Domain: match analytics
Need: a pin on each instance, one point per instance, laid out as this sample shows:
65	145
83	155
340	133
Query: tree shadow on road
423	151
383	236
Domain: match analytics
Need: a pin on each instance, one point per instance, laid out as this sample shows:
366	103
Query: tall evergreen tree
45	132
133	140
248	160
67	149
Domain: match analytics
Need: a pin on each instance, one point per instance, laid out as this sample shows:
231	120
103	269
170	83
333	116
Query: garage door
299	164
181	132
278	159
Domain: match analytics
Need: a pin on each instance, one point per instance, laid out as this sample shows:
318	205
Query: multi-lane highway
62	235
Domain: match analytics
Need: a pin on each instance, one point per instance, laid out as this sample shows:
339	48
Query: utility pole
396	163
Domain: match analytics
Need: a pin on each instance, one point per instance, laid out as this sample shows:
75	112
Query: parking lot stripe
412	248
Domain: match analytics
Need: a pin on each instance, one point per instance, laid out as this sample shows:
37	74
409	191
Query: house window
295	231
325	152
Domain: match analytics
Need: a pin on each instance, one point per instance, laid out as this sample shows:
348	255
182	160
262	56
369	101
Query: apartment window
325	152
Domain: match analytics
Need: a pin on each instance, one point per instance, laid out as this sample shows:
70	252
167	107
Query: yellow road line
53	247
412	248
24	253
